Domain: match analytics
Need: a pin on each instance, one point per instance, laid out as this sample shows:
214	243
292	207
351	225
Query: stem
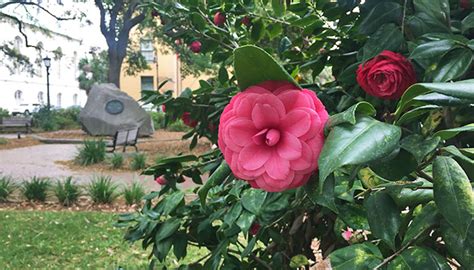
391	257
403	18
424	175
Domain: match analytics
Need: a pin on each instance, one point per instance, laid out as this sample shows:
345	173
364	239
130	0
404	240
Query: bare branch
20	29
103	26
20	2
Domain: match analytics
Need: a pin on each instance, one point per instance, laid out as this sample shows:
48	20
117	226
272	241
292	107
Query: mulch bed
18	143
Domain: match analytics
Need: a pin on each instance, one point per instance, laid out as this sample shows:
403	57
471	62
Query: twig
403	17
424	175
391	257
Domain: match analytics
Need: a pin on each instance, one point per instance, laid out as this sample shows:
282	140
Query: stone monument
108	110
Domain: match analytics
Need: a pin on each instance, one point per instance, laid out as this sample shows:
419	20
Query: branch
103	26
114	13
20	29
23	3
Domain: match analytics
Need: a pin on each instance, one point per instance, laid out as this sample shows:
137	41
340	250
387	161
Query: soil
18	143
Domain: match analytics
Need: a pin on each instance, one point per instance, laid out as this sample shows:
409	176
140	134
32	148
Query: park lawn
69	240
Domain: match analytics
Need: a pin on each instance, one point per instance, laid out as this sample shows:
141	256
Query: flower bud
195	46
219	19
161	180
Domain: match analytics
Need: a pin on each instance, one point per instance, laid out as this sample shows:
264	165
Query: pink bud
219	19
246	21
254	228
161	180
195	46
347	234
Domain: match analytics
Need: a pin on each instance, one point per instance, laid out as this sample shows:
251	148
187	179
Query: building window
18	96
40	97
147	50
147	83
58	101
74	100
18	43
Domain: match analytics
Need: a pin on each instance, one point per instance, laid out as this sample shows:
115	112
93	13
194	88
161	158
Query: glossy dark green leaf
354	216
416	113
453	193
462	248
198	21
387	37
384	12
437	9
383	216
253	65
419	258
466	162
215	179
172	201
167	228
432	49
279	7
356	257
404	197
468	22
427	218
248	249
366	141
453	65
258	30
418	146
443	100
349	115
245	220
396	166
233	214
325	196
453	132
180	244
252	200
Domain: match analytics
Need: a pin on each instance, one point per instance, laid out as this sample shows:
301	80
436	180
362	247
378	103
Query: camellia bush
343	132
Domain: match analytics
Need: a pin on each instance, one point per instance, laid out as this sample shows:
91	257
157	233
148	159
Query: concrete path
39	160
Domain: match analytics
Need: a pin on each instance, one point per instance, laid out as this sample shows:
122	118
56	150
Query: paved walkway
39	160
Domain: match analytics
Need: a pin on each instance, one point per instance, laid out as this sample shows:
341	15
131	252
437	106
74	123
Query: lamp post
47	64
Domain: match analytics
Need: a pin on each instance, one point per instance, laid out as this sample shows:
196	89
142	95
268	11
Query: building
60	41
164	65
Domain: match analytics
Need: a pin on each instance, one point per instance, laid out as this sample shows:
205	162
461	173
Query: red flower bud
219	19
246	21
195	46
186	117
254	228
465	4
163	108
161	180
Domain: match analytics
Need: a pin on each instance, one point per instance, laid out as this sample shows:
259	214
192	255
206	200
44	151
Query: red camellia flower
254	228
161	180
186	117
195	46
271	135
386	76
246	21
219	19
465	4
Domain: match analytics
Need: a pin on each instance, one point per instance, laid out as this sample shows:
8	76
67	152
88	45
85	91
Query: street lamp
47	64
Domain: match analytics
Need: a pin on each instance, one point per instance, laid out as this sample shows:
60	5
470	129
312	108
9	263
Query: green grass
70	240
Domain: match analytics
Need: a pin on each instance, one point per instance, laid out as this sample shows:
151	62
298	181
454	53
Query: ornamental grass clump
6	187
116	161
138	162
92	152
67	191
36	189
134	193
102	190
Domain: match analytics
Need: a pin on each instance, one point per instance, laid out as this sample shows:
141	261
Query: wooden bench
16	123
124	138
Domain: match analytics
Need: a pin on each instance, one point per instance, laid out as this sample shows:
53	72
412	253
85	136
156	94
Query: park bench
16	123
124	138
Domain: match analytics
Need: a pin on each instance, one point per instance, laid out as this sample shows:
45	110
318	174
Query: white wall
75	39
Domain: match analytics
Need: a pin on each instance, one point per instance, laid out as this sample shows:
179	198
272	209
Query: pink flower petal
277	167
254	156
241	131
289	147
265	116
296	122
305	161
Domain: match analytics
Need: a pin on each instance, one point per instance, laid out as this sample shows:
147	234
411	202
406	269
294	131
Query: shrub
138	162
92	152
4	113
67	192
45	119
55	119
134	193
116	161
158	119
178	126
36	189
6	188
102	190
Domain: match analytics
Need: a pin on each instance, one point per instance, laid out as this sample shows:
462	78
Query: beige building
163	66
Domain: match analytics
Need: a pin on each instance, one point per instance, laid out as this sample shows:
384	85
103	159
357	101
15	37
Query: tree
93	70
117	18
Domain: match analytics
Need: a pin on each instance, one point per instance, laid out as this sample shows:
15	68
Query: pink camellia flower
195	46
271	135
347	234
161	180
219	19
255	228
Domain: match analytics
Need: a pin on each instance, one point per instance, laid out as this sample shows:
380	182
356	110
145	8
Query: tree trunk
115	64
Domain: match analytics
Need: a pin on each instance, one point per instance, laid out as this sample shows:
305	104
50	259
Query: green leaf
233	214
453	132
427	218
437	9
253	66
167	228
383	216
453	193
418	146
325	196
223	76
415	113
384	12
180	244
356	257
349	115
396	166
172	201
466	163
298	261
453	65
468	22
248	249
462	248
279	7
442	100
366	141
198	21
245	220
252	200
404	197
432	49
387	37
258	30
419	258
214	180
